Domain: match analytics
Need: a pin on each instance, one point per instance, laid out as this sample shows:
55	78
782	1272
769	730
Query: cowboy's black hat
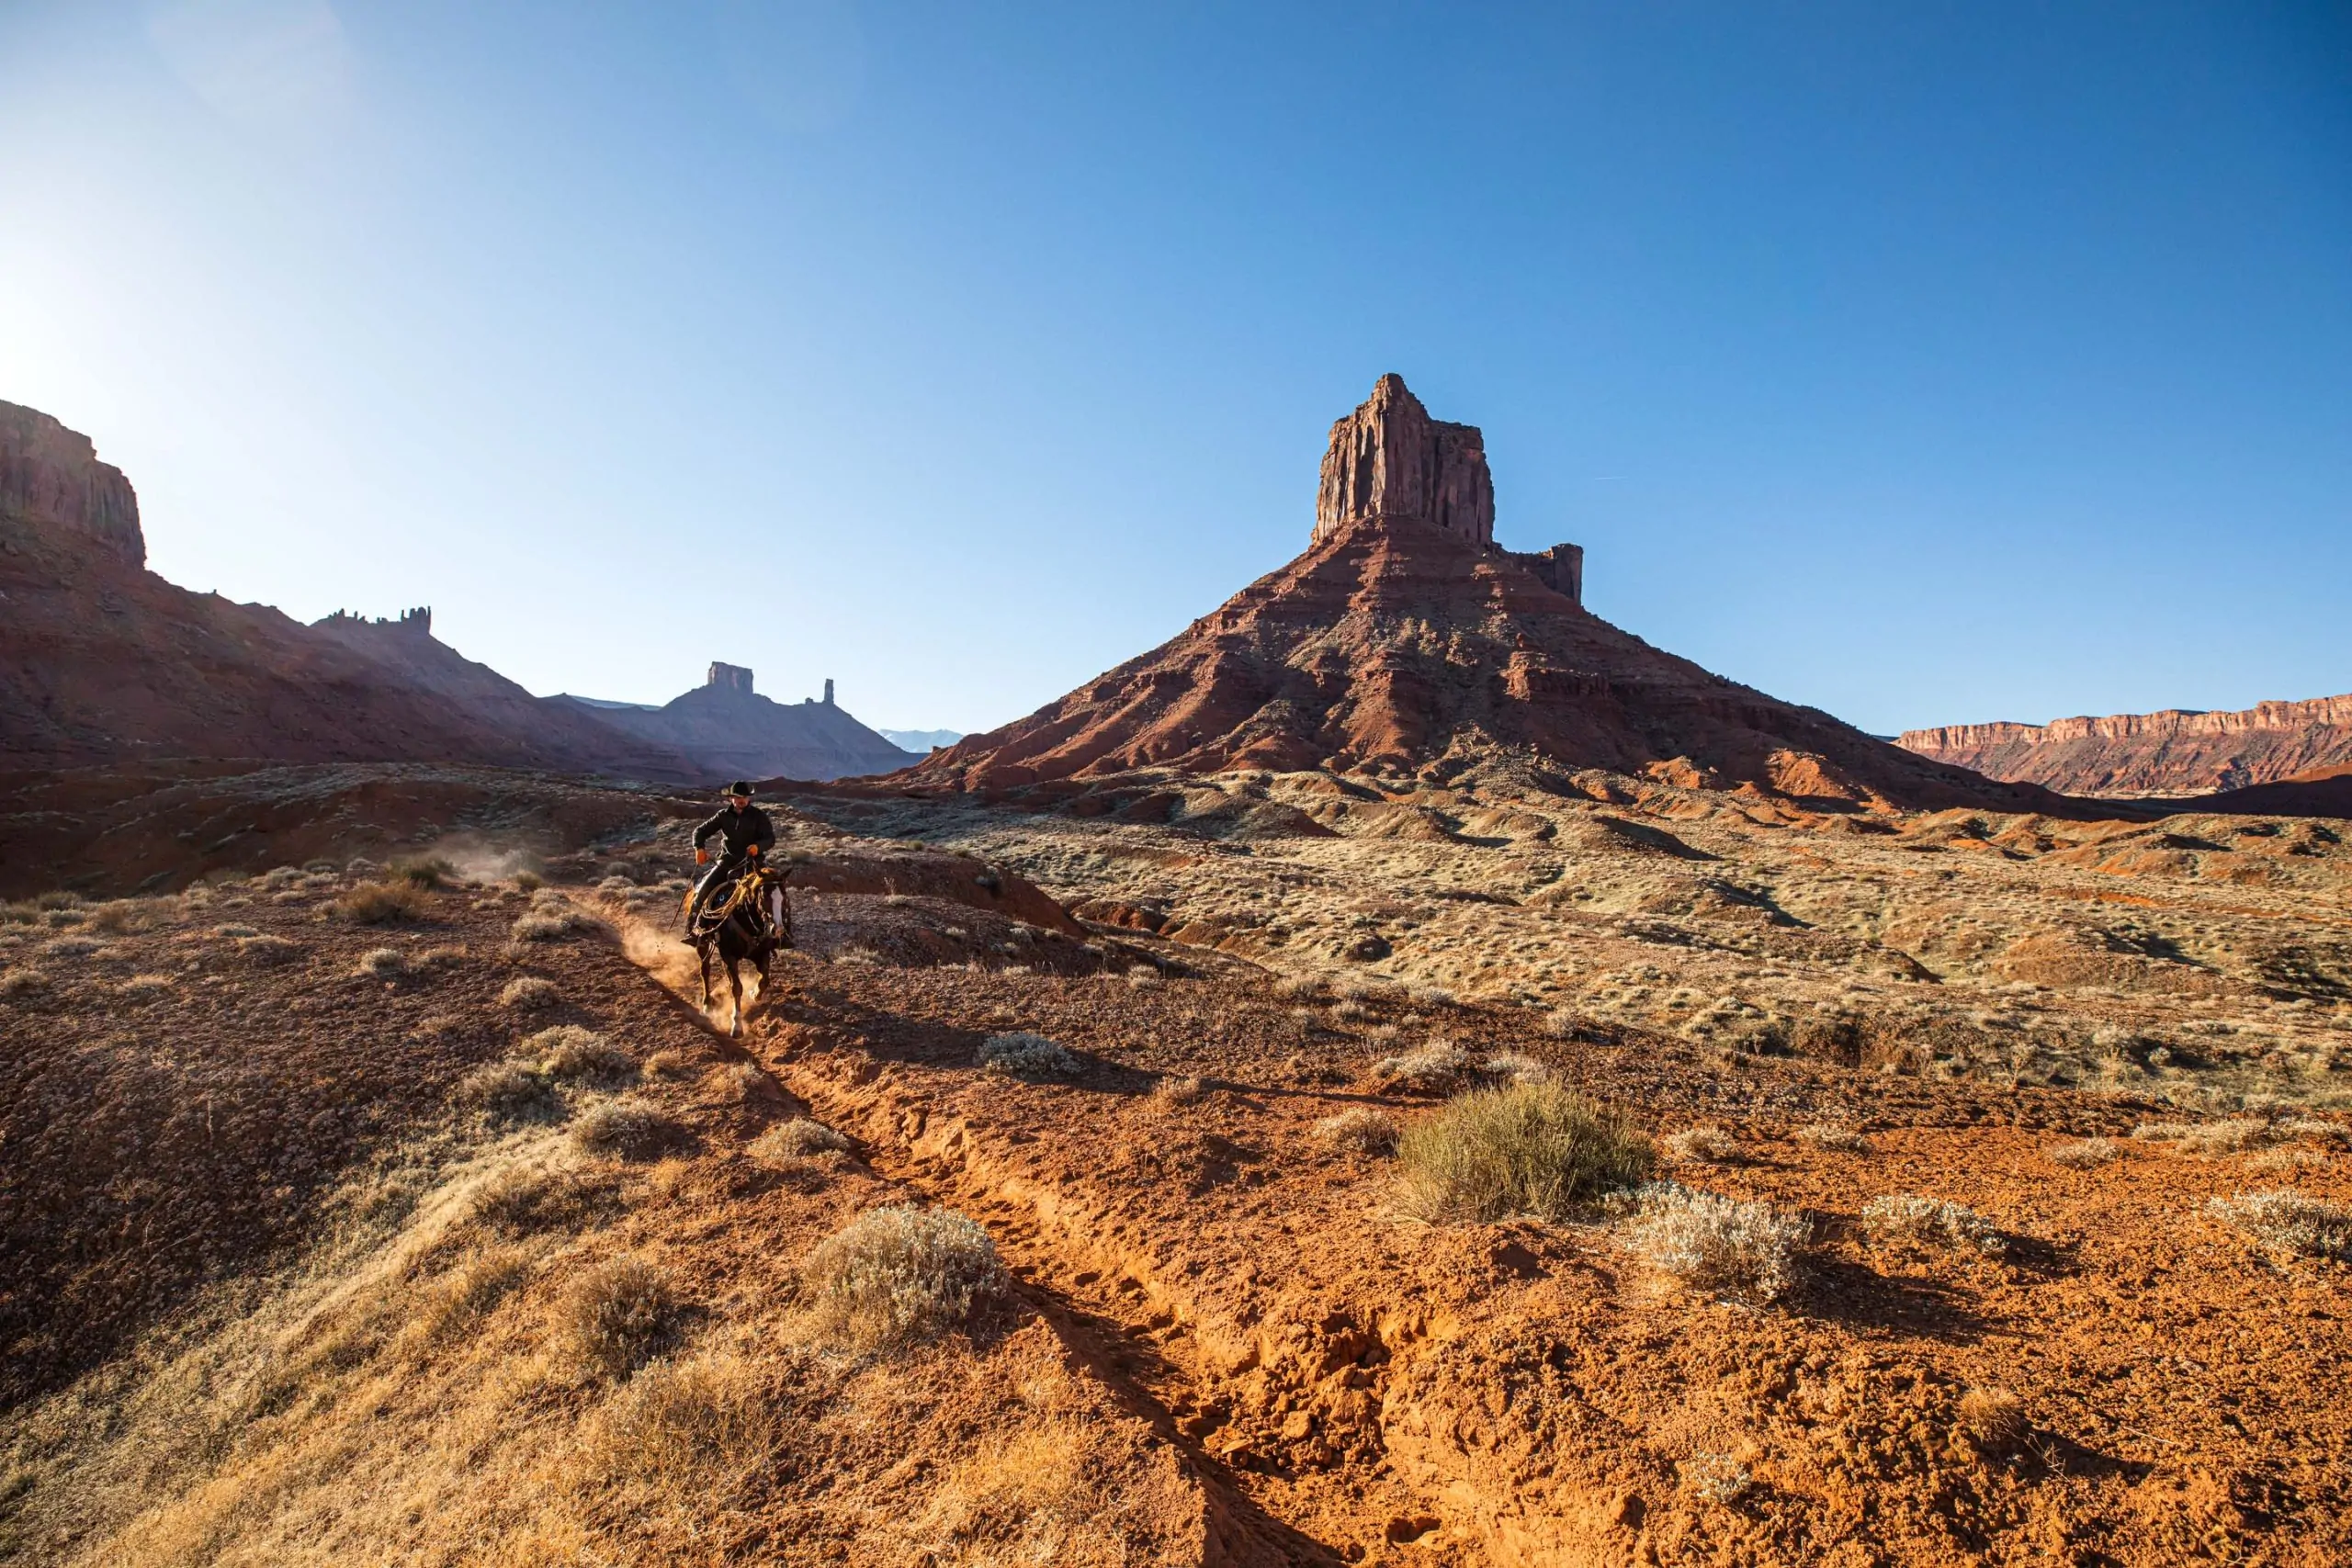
741	786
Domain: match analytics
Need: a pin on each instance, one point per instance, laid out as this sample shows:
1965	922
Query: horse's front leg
702	958
735	983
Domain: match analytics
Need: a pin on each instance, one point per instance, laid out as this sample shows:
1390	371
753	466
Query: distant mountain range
2179	752
921	740
102	661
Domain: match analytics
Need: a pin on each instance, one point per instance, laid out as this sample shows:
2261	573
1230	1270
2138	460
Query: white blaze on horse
744	922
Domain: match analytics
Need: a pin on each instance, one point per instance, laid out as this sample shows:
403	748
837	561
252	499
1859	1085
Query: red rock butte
1405	637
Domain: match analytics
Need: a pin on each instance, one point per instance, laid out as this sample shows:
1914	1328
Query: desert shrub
1834	1137
667	1063
1143	975
419	871
268	950
122	917
528	993
1365	1129
2230	1135
1742	1248
233	931
680	1422
545	925
1906	1217
2083	1154
1430	996
1298	988
1993	1418
894	1275
1179	1090
2283	1162
383	964
2287	1223
527	882
23	983
446	956
1562	1024
381	904
1022	1055
627	1128
57	898
521	1202
1425	1070
799	1139
1524	1148
1715	1478
148	985
752	1083
567	1051
1708	1145
1513	1066
71	947
470	1293
507	1092
614	1318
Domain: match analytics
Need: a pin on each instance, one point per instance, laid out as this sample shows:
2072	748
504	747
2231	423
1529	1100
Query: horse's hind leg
702	957
735	982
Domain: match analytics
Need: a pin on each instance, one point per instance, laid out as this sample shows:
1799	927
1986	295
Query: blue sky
1929	363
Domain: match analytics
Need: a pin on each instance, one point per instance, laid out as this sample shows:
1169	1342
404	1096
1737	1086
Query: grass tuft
1908	1219
1703	1146
614	1318
383	964
1432	1068
629	1129
2084	1154
1834	1137
799	1138
897	1275
567	1051
528	993
505	1092
1365	1129
1183	1090
381	904
430	872
1744	1249
1022	1055
2287	1224
1525	1148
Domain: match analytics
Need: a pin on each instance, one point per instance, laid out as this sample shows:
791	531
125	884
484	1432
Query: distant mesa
730	729
1406	642
921	741
2178	751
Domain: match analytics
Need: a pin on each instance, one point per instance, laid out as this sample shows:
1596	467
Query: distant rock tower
829	691
732	678
1562	569
1390	460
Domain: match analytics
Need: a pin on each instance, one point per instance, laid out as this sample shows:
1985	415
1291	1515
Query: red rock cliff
2175	751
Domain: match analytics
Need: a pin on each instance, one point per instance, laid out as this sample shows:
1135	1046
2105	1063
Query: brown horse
745	920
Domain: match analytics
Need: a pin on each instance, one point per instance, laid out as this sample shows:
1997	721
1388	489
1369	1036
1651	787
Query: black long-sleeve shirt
738	831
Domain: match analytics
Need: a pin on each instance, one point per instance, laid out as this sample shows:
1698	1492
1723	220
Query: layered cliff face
2174	753
50	478
1402	636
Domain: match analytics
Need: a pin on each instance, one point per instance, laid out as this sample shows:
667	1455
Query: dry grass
469	1293
1179	1090
2234	1134
1906	1218
529	993
1022	1055
1366	1129
1142	977
23	983
690	1423
798	1138
1834	1137
425	872
1514	1066
1743	1249
1703	1146
1525	1148
507	1092
523	1201
383	964
668	1064
1432	1068
2287	1224
614	1318
545	925
628	1129
145	986
567	1051
1994	1419
2084	1154
381	904
2287	1162
896	1275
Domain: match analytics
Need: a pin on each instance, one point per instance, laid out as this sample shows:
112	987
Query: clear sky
1927	362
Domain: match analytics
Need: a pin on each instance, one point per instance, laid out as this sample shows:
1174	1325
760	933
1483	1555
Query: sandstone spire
1389	460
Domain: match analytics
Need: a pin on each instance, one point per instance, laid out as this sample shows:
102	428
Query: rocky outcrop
2176	752
50	478
730	730
1390	461
1402	638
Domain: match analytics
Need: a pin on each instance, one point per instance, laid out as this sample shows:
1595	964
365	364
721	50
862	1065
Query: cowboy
743	832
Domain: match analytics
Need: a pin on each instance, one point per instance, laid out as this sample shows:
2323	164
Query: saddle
755	897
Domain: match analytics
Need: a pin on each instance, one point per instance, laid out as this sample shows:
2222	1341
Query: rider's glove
751	848
702	857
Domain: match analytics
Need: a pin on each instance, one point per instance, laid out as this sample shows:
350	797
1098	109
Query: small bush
2084	1154
1022	1055
1907	1217
1365	1129
1834	1137
1740	1248
627	1128
616	1317
799	1139
268	950
1143	975
2287	1223
895	1275
1562	1024
148	984
1182	1091
71	947
567	1051
1430	996
383	964
2230	1136
1705	1146
1526	1148
233	932
667	1063
1994	1419
1426	1069
423	872
446	956
381	904
2284	1162
678	1422
470	1293
528	993
23	983
544	925
508	1093
1514	1066
1298	988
